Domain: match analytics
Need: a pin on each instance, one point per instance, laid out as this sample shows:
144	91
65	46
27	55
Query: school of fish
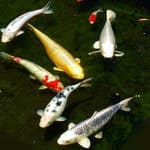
64	61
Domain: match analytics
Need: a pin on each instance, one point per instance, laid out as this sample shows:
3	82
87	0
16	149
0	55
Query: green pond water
127	75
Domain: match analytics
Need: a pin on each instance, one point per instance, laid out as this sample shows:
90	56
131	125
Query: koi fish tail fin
110	15
85	83
5	56
46	8
29	26
124	103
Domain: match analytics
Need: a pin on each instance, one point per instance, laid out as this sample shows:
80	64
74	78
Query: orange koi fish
93	16
37	72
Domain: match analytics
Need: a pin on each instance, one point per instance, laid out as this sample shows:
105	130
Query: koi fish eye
67	141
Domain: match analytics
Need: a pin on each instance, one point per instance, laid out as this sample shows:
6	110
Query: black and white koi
56	106
79	133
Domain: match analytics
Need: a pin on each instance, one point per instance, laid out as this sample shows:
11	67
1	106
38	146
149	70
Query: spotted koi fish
79	133
56	106
14	27
37	72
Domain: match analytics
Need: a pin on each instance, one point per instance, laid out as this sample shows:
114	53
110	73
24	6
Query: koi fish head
46	120
68	137
77	73
7	36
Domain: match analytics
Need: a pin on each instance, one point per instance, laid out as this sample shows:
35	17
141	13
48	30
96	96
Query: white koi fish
37	72
14	27
79	133
107	43
56	106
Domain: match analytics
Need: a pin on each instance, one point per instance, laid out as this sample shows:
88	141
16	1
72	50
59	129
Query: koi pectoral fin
119	54
96	45
40	112
99	135
71	125
20	32
77	60
57	69
43	87
94	52
61	119
84	142
32	77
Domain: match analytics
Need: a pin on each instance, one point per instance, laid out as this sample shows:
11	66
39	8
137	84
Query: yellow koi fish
63	60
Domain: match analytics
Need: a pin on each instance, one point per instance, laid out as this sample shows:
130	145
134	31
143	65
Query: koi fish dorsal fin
71	125
94	114
84	142
40	112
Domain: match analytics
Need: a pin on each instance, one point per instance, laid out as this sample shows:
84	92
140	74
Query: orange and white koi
37	72
14	27
93	16
63	60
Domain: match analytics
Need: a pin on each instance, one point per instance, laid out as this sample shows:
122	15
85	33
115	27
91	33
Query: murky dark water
128	75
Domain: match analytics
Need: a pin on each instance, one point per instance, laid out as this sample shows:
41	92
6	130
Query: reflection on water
129	75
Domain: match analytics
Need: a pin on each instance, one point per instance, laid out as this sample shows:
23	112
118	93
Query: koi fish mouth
4	40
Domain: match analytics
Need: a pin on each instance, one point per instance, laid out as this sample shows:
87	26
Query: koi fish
93	16
63	60
79	0
37	72
14	27
144	19
107	43
78	133
56	106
